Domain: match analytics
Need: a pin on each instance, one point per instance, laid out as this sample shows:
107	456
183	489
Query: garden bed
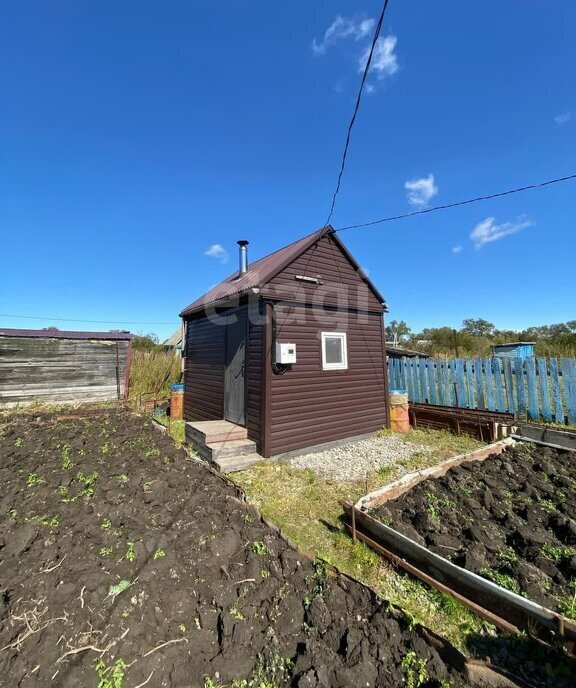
124	561
510	518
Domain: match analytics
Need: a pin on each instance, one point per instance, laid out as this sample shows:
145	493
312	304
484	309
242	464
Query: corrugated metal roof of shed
513	344
65	334
263	270
258	273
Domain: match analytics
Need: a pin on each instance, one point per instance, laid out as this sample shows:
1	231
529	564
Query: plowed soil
125	562
510	518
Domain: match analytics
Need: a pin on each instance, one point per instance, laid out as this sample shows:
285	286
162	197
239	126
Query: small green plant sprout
13	513
158	554
152	452
106	524
18	442
501	579
247	518
434	502
123	478
46	521
88	481
320	578
197	623
34	479
105	448
130	553
125	614
63	493
265	573
66	457
105	551
567	605
548	504
415	668
236	613
120	587
558	554
507	557
112	676
182	628
147	487
211	683
259	547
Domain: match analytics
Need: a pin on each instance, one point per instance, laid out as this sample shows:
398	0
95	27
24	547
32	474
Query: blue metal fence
535	388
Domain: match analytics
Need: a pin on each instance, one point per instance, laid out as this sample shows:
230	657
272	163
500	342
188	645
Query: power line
356	108
458	203
102	322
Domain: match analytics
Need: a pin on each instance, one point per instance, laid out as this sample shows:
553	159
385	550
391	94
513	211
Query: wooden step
241	463
223	450
210	431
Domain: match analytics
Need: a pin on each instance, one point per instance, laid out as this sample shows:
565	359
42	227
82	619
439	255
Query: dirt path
120	556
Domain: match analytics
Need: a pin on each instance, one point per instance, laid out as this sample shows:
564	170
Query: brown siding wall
341	283
310	406
55	370
254	371
204	370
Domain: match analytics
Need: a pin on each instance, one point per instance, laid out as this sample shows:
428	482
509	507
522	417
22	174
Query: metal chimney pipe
243	257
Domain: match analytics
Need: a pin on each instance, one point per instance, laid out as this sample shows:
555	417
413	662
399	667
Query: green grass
177	428
308	510
153	371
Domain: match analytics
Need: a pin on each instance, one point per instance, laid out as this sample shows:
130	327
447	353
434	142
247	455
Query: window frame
343	365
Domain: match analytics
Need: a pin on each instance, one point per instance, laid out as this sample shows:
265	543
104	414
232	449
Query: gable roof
262	271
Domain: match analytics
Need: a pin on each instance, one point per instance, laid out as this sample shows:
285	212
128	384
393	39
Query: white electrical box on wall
285	353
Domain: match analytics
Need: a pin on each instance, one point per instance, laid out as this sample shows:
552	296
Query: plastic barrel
176	401
399	417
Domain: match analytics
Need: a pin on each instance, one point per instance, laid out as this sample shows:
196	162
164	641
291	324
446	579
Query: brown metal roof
263	270
53	333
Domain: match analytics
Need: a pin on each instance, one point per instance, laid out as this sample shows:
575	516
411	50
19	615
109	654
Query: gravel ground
352	461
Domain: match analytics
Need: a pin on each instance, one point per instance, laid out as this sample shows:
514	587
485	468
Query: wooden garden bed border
502	607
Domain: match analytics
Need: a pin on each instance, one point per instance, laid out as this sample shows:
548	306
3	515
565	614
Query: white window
334	353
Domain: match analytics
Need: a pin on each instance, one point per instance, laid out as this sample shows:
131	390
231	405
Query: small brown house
292	347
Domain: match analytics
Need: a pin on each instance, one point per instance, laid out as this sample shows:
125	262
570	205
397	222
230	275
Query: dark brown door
234	391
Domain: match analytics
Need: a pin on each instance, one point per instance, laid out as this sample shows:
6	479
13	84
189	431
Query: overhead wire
356	108
102	322
455	204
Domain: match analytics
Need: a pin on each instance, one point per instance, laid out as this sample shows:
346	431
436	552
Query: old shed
289	348
54	366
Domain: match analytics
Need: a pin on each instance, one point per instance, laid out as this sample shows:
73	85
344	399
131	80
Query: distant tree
398	330
478	327
146	342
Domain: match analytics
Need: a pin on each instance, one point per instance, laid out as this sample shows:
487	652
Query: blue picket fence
535	388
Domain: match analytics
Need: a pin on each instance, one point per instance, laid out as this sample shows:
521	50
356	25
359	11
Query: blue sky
135	136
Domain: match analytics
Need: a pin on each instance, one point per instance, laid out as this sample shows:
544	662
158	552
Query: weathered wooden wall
56	370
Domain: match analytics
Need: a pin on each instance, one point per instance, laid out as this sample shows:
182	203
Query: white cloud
489	230
421	191
341	28
384	60
219	252
457	249
563	118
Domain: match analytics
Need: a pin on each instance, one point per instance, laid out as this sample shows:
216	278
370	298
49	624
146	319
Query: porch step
209	431
223	450
223	444
239	463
